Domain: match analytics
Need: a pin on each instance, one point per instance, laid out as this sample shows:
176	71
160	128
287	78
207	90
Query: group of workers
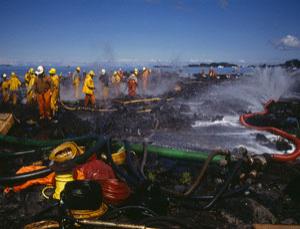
44	89
106	81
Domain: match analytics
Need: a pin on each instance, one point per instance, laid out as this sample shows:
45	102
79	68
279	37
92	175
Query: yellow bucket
61	180
119	157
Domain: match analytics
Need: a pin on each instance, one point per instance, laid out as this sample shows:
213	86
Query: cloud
223	4
288	42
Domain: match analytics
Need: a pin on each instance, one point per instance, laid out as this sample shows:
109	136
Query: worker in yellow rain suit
116	81
29	81
5	89
89	89
14	84
76	82
55	90
28	76
145	78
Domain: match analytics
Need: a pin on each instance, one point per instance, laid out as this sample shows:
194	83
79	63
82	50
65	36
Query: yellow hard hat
31	70
136	71
91	73
78	69
52	71
13	74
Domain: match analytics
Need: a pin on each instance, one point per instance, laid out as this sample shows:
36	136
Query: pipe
171	221
43	143
111	224
278	157
174	153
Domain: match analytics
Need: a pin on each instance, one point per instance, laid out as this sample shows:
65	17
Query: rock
289	221
249	211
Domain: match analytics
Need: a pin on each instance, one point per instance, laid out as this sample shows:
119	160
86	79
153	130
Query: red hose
114	191
296	141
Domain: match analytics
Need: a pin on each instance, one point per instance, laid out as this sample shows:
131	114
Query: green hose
164	152
43	143
173	153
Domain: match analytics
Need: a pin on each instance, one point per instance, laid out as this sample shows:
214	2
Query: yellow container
119	157
60	182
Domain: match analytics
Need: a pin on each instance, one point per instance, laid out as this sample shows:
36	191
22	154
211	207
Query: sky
66	32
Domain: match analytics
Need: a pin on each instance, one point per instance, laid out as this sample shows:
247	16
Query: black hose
129	161
145	155
7	155
20	178
117	169
224	187
120	210
203	170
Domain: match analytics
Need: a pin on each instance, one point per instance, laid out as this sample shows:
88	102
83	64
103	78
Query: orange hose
296	141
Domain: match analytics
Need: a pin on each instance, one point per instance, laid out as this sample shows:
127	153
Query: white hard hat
103	71
144	68
4	75
40	70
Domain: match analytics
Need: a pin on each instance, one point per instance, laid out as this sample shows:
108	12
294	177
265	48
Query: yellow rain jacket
55	93
14	83
55	81
5	90
30	91
88	86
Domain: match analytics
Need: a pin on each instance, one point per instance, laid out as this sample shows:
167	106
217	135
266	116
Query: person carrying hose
14	84
42	88
29	81
145	77
88	89
55	90
132	83
76	82
5	89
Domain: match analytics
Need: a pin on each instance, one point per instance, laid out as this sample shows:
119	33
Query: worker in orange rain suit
116	82
132	83
42	88
76	82
5	88
29	82
145	77
55	90
14	84
89	88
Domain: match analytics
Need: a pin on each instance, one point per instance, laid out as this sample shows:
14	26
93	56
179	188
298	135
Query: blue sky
91	31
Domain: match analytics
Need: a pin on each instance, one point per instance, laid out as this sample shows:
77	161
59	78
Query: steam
248	93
